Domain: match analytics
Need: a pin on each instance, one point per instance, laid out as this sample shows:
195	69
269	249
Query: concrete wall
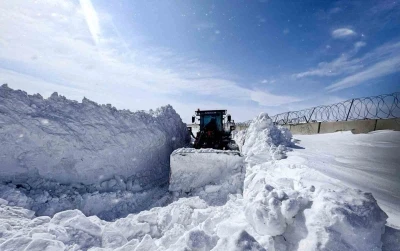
308	128
241	127
391	124
356	126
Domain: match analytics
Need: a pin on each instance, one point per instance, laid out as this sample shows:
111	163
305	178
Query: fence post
310	115
348	113
287	118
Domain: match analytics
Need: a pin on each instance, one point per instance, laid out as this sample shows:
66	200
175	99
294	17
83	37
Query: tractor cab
211	120
215	129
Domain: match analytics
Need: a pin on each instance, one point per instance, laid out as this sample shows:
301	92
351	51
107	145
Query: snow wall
70	142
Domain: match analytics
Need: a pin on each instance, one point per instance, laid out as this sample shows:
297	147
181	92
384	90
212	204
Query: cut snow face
58	151
71	142
209	173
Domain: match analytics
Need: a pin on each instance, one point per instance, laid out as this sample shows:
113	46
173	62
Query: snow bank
262	137
300	208
70	142
301	216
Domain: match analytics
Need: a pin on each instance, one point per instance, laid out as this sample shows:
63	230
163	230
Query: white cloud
266	81
344	64
54	51
91	19
261	19
359	44
343	33
379	69
340	65
379	62
267	99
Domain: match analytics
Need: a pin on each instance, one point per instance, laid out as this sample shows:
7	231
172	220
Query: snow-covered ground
287	204
369	162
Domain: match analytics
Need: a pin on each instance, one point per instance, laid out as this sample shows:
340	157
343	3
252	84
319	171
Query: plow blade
208	170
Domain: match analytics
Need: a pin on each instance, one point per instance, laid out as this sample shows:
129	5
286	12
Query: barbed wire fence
384	106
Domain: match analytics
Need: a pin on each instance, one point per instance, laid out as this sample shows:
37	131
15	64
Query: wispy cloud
268	99
91	19
261	19
343	33
267	81
341	65
64	57
334	10
379	69
379	62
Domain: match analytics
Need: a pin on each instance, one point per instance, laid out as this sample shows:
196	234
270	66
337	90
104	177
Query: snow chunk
146	244
343	220
112	238
240	241
45	245
266	217
75	219
198	240
19	243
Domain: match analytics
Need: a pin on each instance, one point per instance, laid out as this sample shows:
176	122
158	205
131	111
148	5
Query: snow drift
70	142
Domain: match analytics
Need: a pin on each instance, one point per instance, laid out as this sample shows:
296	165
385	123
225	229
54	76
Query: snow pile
268	218
264	138
301	216
208	173
70	142
239	137
187	224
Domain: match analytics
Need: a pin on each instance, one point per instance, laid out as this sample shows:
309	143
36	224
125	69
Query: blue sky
245	56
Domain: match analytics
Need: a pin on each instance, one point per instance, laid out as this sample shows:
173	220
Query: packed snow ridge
69	142
61	151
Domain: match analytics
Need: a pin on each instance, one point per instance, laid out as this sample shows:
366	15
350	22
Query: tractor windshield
207	120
